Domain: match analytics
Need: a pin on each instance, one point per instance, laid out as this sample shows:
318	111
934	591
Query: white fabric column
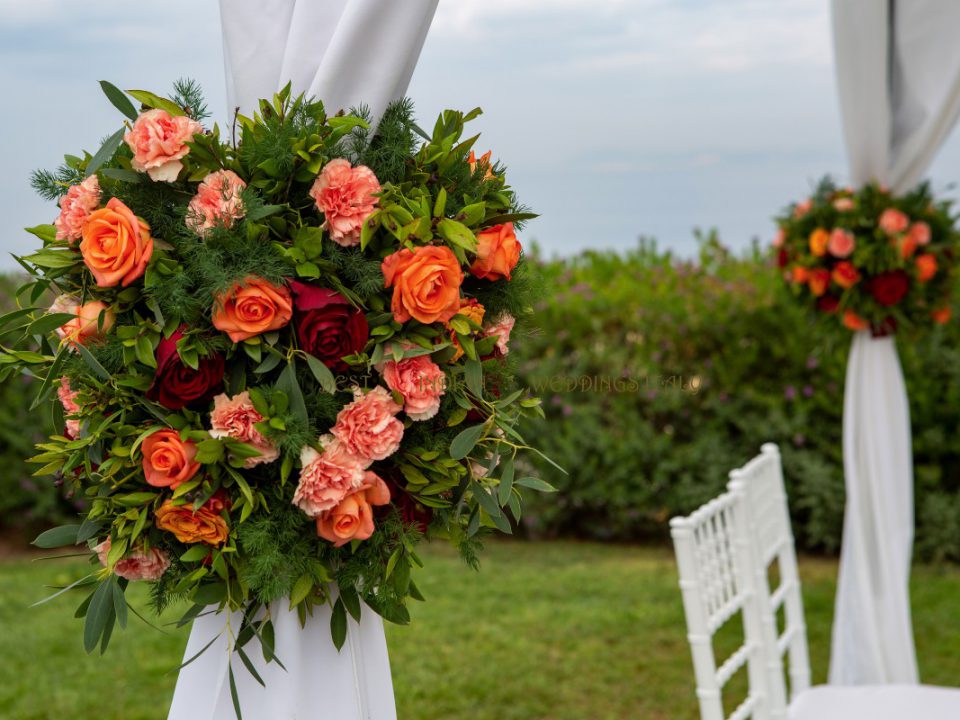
898	76
344	52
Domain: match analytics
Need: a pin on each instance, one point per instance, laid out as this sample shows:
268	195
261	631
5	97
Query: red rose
889	288
328	326
176	385
828	304
783	257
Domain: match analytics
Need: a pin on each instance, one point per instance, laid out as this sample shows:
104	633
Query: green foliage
659	376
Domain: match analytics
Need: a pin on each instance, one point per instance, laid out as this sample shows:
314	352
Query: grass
546	631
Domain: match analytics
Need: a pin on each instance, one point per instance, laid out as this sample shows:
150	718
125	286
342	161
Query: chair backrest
716	587
770	541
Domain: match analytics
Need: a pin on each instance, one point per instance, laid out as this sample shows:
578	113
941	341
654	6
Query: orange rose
426	283
498	252
908	246
845	274
941	316
852	321
193	526
819	239
87	325
484	161
352	519
251	308
168	461
819	281
926	267
799	274
474	312
116	245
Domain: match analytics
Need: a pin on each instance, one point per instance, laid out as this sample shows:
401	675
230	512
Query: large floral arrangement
874	260
281	357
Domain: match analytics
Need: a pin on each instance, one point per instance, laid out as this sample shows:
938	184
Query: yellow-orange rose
426	283
251	308
819	239
498	252
474	312
192	526
116	245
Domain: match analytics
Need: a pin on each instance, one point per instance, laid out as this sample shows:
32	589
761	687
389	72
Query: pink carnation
235	418
159	141
327	477
843	204
420	381
892	221
919	233
802	208
75	208
367	427
346	197
501	330
217	201
780	238
138	565
68	398
841	243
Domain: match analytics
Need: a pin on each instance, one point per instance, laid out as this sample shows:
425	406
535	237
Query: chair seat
876	702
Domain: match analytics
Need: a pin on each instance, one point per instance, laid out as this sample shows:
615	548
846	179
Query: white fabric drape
898	76
344	52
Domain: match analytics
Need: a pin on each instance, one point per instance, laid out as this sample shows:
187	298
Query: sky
615	118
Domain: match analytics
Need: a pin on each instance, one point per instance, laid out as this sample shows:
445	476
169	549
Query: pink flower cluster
235	417
159	141
218	201
68	398
75	208
346	196
419	381
138	565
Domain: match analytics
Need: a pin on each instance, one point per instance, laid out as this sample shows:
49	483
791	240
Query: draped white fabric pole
898	75
344	52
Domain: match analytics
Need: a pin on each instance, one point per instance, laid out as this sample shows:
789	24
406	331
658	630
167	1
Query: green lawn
546	631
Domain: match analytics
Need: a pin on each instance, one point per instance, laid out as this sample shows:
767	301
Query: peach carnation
843	204
75	208
326	477
218	202
352	518
802	208
68	398
346	196
368	428
501	330
235	418
138	565
420	382
159	141
841	243
892	221
919	233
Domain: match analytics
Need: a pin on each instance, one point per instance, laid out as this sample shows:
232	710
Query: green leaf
506	482
98	613
195	553
120	605
352	602
249	665
465	441
88	529
457	233
301	588
338	624
48	323
486	500
233	693
53	375
323	375
263	211
144	350
287	383
122	174
536	484
92	363
155	101
106	151
85	580
440	206
120	101
47	233
473	374
268	364
57	537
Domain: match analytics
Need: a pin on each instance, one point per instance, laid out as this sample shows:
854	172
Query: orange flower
819	239
852	321
941	316
484	161
168	461
116	245
352	519
819	281
473	311
252	307
205	525
87	325
908	246
426	283
845	274
799	274
498	252
926	267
